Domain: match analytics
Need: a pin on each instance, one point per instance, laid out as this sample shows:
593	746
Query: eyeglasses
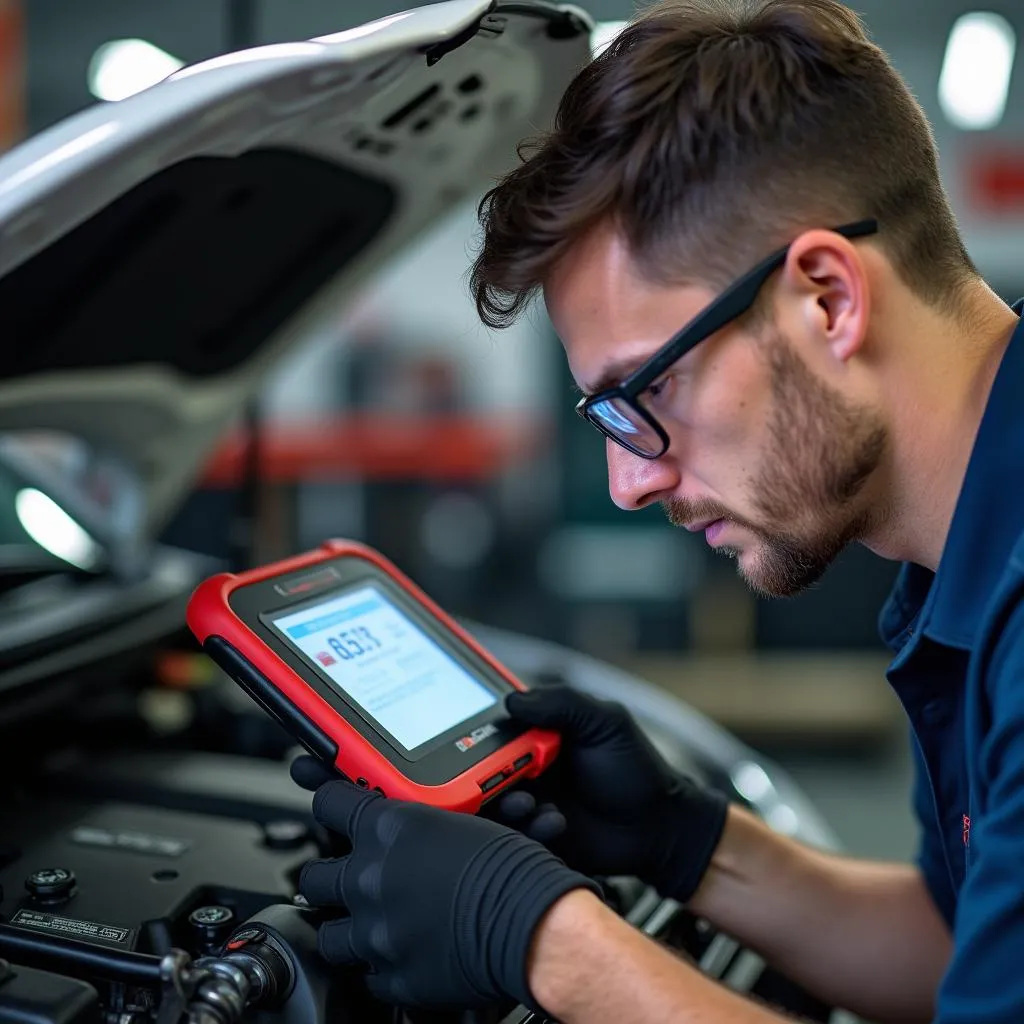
617	412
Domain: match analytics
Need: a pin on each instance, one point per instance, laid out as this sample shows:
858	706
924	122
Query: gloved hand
517	809
627	812
443	906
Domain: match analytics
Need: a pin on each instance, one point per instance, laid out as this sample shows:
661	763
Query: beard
821	451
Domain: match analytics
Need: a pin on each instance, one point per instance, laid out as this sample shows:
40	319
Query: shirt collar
947	606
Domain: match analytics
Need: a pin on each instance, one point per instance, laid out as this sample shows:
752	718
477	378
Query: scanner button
521	762
494	780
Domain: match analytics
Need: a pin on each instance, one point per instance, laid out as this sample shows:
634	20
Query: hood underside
158	256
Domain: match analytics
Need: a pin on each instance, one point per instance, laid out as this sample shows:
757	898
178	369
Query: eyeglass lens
624	424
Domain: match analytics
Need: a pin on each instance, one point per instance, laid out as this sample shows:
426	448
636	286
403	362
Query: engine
148	876
160	887
130	894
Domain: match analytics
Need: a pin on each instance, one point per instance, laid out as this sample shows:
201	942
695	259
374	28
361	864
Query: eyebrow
613	374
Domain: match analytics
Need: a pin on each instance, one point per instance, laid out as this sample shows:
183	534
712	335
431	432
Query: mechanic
861	384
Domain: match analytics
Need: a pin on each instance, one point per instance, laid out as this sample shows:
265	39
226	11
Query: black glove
442	906
517	808
627	811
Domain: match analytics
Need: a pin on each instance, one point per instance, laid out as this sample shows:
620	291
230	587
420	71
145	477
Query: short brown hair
712	131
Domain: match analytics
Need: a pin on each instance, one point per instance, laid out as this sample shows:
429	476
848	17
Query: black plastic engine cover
138	873
29	996
224	785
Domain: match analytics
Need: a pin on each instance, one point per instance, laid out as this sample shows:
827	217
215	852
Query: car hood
160	255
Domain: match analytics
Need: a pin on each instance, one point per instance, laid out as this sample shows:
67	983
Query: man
757	171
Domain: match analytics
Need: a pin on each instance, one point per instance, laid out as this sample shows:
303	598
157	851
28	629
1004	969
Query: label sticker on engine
69	926
136	842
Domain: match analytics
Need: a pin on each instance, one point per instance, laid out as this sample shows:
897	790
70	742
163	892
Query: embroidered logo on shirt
967	830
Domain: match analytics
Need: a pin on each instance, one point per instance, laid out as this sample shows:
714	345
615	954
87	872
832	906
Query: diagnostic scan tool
368	674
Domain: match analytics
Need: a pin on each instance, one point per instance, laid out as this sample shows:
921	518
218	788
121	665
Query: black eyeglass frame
736	300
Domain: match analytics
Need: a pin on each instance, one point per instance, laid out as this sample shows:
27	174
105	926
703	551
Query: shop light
975	78
54	530
603	34
123	67
751	781
782	818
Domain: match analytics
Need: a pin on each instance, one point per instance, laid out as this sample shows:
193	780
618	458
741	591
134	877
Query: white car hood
159	255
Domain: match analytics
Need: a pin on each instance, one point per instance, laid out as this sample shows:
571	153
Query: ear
825	285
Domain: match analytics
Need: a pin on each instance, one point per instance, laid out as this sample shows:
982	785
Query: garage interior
455	451
512	482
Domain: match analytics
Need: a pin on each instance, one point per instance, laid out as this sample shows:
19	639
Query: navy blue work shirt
958	638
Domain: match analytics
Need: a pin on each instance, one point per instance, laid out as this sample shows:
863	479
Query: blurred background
457	453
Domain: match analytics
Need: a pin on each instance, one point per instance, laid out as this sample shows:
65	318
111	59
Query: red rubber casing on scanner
210	616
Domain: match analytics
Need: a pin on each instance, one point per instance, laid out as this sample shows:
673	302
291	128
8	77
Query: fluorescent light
751	781
975	77
783	819
123	67
603	34
54	530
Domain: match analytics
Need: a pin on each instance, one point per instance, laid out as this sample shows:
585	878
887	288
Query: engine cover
117	865
144	879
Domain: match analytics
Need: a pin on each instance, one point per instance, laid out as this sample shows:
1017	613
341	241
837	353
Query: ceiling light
603	34
975	77
54	530
783	819
751	781
123	67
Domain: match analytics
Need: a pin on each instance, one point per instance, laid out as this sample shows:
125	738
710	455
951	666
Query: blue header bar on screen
333	619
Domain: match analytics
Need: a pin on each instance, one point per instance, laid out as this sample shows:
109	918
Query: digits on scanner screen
374	654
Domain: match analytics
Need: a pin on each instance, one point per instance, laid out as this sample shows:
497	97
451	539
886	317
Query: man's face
769	458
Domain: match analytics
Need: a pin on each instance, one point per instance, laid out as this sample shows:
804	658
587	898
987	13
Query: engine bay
154	879
122	907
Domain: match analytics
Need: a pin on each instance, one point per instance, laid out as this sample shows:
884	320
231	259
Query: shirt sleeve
985	983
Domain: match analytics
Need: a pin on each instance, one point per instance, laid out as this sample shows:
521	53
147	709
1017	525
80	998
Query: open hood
159	255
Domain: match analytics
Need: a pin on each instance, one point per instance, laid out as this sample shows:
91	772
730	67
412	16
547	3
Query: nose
635	483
